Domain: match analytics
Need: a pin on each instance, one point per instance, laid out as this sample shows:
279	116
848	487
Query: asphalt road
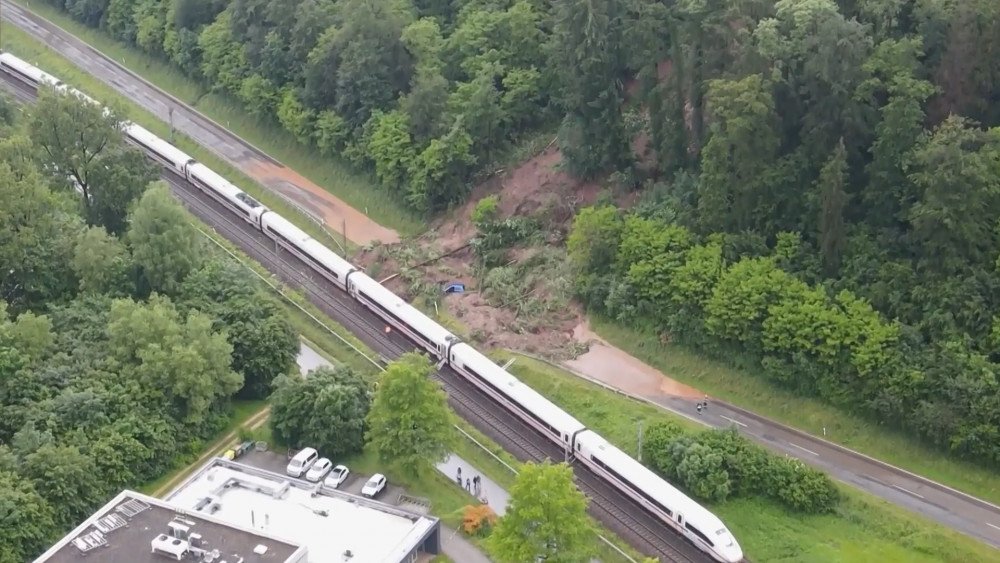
942	504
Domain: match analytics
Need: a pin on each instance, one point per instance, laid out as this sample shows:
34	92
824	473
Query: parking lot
276	462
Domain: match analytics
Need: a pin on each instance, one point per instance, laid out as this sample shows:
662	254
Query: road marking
993	526
803	449
733	421
910	492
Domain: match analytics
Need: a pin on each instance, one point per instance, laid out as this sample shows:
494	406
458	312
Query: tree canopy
546	518
326	409
410	422
121	343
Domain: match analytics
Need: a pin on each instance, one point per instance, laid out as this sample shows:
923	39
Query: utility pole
639	449
170	115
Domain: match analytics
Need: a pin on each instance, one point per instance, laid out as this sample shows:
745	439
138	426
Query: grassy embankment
863	529
755	393
333	175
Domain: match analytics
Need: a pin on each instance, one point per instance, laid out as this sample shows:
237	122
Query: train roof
165	149
518	390
286	228
399	307
37	74
210	177
651	483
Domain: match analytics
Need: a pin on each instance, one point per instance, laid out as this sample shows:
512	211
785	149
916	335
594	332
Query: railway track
622	515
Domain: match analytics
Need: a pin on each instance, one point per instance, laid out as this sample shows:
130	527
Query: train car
27	73
400	314
226	193
307	249
534	409
160	150
673	507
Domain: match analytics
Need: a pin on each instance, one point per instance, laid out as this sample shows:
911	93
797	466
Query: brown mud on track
619	369
337	215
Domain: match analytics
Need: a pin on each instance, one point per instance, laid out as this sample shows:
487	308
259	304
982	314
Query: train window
635	489
698	533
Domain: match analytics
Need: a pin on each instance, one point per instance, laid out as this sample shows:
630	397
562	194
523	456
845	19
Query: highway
962	512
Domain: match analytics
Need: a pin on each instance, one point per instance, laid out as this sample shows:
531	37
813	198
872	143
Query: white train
673	507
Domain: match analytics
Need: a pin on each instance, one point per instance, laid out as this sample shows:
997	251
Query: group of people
702	405
473	486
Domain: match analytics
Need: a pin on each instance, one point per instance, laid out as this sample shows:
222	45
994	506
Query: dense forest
122	338
820	179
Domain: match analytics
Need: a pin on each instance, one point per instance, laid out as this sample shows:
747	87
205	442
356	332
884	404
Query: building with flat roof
231	509
135	528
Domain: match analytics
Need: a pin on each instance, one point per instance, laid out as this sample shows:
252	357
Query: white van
302	462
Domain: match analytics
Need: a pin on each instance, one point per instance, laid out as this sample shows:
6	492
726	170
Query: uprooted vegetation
514	269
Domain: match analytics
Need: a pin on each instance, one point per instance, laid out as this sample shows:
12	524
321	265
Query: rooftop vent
170	546
261	549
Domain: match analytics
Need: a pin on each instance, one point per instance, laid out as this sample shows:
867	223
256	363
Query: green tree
120	177
956	170
102	263
587	55
26	519
425	104
734	193
67	480
831	185
894	87
391	148
224	63
546	518
410	422
326	409
180	362
164	245
264	343
438	174
37	232
57	117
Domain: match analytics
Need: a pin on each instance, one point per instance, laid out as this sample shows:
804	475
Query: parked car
374	486
302	462
319	470
337	477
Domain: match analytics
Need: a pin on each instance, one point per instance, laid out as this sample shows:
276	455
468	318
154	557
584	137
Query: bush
717	464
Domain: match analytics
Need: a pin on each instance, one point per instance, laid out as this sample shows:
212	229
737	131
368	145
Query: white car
319	469
337	477
374	486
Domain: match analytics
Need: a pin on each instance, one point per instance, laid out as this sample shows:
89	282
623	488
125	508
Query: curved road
967	514
321	205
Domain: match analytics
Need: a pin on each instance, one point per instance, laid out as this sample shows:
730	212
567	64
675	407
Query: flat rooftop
327	522
123	531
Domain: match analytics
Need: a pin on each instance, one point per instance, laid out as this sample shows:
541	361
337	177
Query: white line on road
803	449
993	526
733	421
908	491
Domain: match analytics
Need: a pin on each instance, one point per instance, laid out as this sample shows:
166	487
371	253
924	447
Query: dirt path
252	423
617	368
